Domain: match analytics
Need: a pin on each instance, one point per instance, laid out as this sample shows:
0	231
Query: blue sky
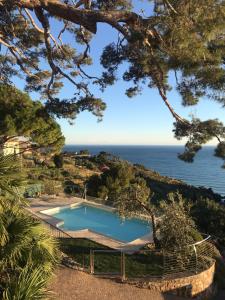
143	120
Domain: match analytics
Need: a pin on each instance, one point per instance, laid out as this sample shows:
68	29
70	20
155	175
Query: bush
93	185
90	165
210	218
58	160
112	181
177	229
84	152
52	187
65	173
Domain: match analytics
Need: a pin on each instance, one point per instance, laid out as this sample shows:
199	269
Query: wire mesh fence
153	263
191	259
143	263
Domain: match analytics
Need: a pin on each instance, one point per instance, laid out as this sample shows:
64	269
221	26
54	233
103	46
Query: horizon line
140	145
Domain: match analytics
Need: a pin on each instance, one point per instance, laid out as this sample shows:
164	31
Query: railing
53	230
192	259
100	260
152	263
127	264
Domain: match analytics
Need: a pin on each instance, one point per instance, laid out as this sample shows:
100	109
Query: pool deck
42	207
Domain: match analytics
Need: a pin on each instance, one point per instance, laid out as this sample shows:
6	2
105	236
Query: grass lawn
146	264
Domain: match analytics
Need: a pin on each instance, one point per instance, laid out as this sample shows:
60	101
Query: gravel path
70	284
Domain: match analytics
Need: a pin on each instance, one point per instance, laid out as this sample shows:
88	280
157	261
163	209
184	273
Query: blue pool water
101	221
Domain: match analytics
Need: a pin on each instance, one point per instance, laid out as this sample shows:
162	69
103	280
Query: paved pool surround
45	207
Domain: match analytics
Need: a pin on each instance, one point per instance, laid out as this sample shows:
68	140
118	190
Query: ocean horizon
205	171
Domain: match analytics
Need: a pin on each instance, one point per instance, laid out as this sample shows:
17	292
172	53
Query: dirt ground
69	284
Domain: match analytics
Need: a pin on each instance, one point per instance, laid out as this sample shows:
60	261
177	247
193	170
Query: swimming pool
102	221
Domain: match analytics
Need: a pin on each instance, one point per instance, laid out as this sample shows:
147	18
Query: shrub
58	160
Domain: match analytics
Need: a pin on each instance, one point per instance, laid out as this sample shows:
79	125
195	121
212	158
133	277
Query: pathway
69	284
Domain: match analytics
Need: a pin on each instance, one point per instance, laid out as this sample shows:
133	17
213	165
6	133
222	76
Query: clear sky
142	120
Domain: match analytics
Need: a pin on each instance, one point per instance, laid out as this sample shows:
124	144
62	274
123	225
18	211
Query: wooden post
92	262
196	259
123	267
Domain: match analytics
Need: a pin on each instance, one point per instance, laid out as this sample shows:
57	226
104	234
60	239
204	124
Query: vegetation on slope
28	253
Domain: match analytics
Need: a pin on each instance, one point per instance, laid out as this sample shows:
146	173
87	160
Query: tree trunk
155	239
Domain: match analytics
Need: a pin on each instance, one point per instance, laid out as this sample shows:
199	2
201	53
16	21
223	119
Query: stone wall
199	286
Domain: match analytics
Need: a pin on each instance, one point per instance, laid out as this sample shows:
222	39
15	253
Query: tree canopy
177	229
20	116
112	181
184	38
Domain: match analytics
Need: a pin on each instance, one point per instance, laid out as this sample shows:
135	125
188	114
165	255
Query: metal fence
100	260
191	260
152	263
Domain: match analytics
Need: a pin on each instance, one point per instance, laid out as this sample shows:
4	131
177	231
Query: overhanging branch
85	17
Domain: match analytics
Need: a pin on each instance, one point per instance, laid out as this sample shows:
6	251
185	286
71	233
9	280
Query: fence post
163	264
123	267
196	259
92	262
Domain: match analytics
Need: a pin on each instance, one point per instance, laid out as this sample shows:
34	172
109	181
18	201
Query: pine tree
184	38
20	116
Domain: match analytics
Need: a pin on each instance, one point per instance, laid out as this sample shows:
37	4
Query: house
17	145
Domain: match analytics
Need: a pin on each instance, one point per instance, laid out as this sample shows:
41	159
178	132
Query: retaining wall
199	286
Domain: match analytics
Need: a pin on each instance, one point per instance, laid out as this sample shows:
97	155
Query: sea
205	171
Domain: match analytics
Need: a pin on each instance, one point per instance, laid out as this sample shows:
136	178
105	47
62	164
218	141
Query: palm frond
11	175
30	285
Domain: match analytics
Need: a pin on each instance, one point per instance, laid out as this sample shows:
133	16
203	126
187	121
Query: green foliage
25	241
177	229
93	184
104	158
20	116
84	152
90	165
209	216
10	182
112	181
52	187
27	252
184	38
110	4
200	133
134	199
220	151
161	186
71	188
58	160
30	285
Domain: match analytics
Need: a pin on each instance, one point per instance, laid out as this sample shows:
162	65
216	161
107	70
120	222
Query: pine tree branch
86	17
170	6
87	75
61	32
158	77
178	118
39	29
55	69
16	53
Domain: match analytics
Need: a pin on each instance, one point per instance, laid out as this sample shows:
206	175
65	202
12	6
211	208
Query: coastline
205	171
